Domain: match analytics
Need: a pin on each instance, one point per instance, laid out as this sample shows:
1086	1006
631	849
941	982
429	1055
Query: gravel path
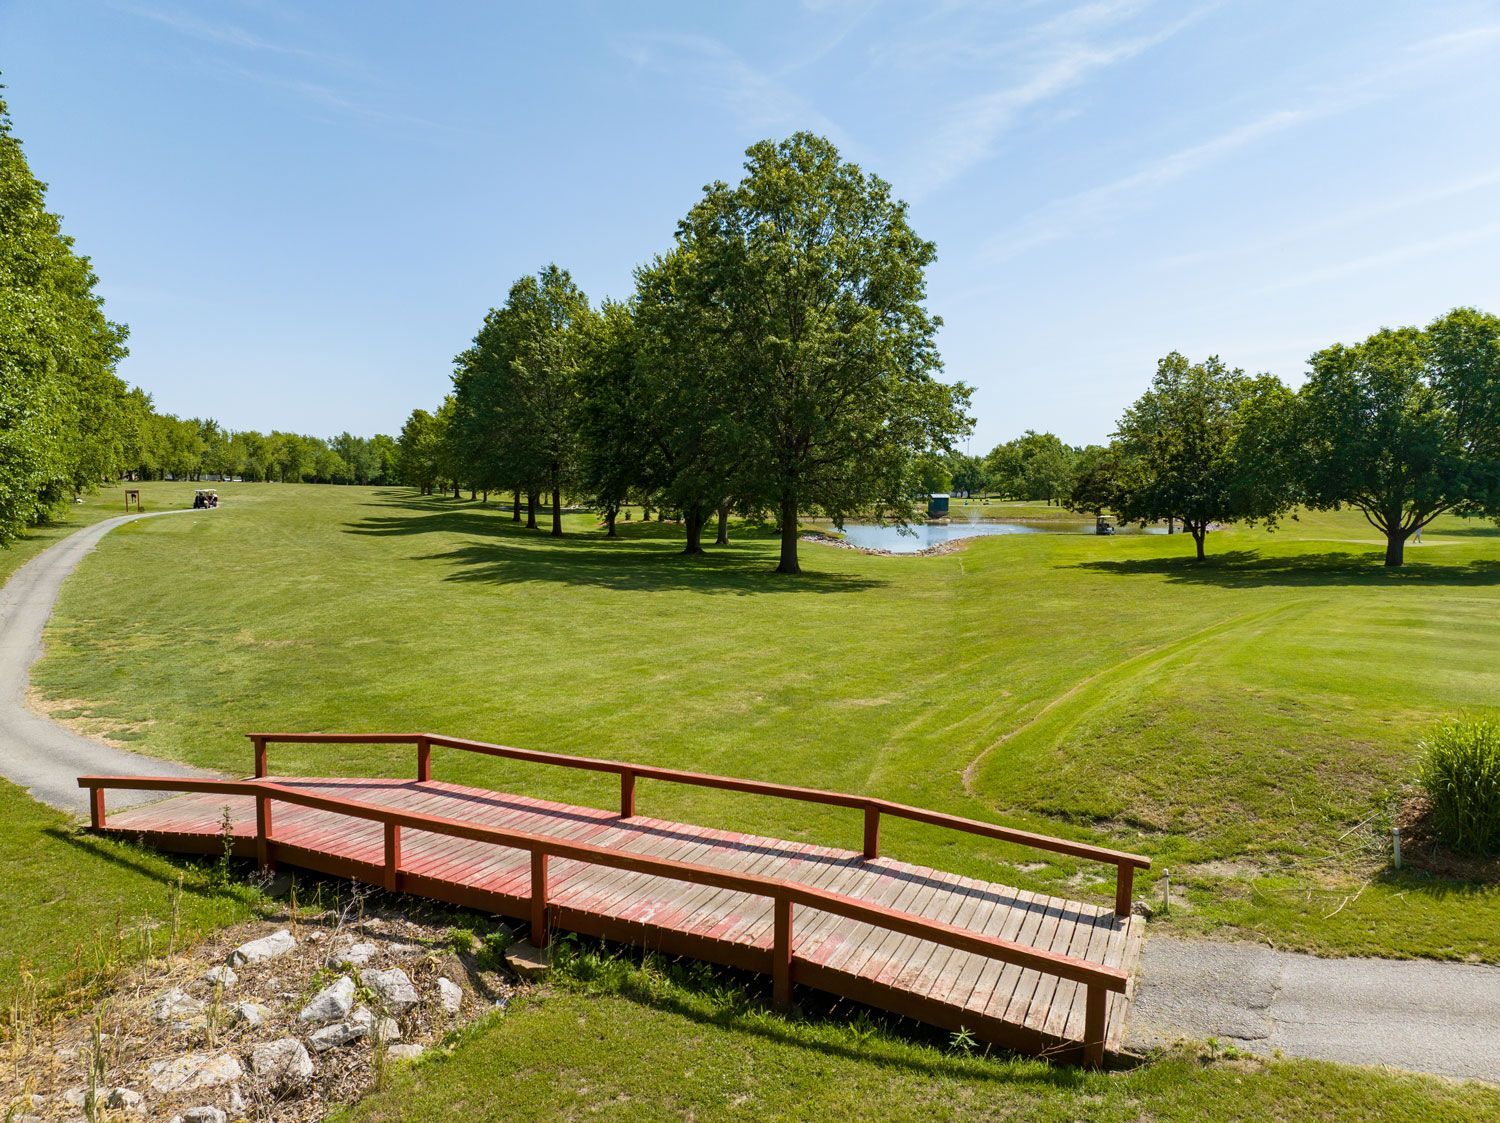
1442	1018
35	752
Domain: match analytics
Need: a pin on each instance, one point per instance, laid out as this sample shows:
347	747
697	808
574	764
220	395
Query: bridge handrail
783	893
1125	863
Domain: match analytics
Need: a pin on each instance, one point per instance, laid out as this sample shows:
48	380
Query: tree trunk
611	513
723	538
788	536
1395	547
556	510
531	498
515	506
661	514
692	520
1171	524
1199	532
645	513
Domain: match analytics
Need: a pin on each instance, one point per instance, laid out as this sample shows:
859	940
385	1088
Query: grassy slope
76	907
1234	720
102	504
637	1046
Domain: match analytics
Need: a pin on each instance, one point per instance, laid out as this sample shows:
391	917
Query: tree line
776	360
68	422
1403	427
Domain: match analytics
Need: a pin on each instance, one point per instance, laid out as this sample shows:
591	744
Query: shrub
1460	769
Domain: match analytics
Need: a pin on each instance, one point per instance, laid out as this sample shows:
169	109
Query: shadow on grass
119	852
646	557
1248	569
698	995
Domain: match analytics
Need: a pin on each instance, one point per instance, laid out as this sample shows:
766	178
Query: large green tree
1406	425
612	415
810	276
65	418
1206	445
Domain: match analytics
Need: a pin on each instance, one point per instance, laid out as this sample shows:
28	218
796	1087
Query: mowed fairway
1245	722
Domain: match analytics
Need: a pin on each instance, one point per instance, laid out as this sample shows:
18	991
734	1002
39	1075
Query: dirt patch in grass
1421	849
82	717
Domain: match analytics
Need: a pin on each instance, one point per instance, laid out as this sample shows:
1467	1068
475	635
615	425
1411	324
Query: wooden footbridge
1035	973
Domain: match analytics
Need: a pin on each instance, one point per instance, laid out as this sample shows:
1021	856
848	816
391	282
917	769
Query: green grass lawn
102	504
1245	722
77	908
622	1043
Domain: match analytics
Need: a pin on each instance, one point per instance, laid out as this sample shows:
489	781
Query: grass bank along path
1245	722
35	752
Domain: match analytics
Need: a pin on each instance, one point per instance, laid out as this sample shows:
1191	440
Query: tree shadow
646	557
1248	569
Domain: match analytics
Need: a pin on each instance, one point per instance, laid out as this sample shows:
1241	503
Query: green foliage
1406	425
1460	771
1206	445
1035	466
63	412
811	281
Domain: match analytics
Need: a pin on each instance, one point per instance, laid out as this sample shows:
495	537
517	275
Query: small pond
921	536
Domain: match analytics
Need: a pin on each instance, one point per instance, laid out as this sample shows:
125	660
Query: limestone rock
220	977
404	1052
203	1115
450	996
123	1099
251	1014
355	955
346	1032
527	961
282	1063
191	1071
176	1005
387	1030
267	947
331	1003
392	987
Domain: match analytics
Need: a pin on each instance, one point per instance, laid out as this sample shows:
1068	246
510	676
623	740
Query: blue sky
303	211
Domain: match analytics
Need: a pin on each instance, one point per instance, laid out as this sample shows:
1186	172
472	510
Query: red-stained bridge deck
1000	1001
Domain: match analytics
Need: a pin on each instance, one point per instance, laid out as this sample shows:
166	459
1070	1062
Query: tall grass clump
1460	770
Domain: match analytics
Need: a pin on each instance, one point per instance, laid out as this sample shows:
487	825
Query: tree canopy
1406	425
1204	445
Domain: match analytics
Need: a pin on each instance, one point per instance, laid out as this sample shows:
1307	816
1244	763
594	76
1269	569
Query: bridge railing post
1095	1005
263	838
392	856
424	759
96	808
1124	887
627	794
781	955
872	832
539	898
260	756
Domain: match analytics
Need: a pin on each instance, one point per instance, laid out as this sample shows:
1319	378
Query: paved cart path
36	752
1442	1018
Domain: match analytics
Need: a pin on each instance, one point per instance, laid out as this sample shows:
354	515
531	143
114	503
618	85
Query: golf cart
1102	525
205	497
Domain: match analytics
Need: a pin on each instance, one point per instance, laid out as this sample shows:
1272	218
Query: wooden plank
907	972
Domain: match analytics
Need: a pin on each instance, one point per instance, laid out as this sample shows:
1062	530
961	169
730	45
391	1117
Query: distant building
937	506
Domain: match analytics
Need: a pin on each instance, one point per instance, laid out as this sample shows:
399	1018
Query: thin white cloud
228	35
1058	60
759	102
1462	239
1087	209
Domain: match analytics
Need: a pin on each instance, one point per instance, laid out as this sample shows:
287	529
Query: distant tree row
68	422
1403	427
777	360
192	449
